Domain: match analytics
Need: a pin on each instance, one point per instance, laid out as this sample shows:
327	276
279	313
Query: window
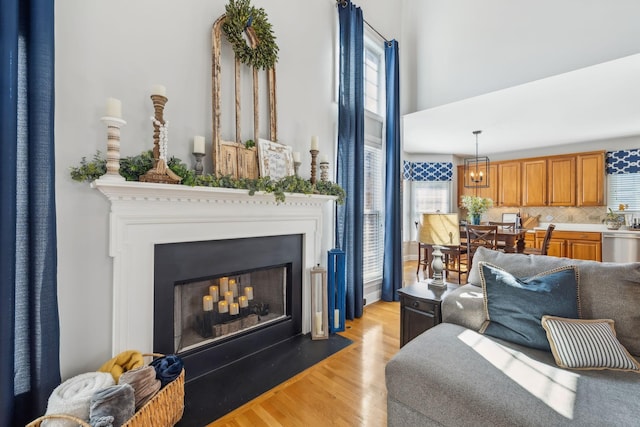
374	129
623	190
428	196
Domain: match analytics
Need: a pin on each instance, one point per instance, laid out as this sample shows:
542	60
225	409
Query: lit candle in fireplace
248	292
207	303
223	307
234	309
213	291
233	287
243	302
228	296
224	285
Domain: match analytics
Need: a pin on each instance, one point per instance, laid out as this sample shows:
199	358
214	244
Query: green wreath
241	17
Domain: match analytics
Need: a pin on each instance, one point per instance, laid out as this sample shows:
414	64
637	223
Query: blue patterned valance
623	161
428	171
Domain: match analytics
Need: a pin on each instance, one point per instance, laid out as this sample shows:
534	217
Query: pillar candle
198	144
223	307
114	108
234	309
318	323
243	302
224	285
248	291
336	319
228	296
324	159
233	287
213	291
158	90
207	303
296	156
314	142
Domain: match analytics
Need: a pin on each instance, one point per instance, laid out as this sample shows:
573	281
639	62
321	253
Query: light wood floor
346	389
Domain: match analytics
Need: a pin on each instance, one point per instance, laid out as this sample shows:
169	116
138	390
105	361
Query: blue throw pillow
514	307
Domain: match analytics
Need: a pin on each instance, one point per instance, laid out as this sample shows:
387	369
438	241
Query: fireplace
144	217
262	280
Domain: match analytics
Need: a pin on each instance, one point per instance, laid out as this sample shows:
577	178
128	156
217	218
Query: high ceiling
592	103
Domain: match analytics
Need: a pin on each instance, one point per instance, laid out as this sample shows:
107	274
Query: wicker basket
164	409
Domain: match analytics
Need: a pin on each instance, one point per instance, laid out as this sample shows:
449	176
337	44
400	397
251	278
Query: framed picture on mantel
275	159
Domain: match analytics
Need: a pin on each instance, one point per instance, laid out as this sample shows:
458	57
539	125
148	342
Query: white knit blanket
73	397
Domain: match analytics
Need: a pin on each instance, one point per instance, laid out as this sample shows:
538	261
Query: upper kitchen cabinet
490	192
534	182
509	184
590	179
561	182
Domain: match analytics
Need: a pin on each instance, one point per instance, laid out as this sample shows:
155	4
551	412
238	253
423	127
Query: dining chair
545	243
480	236
455	257
508	225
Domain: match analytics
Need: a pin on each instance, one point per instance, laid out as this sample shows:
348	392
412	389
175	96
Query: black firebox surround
179	263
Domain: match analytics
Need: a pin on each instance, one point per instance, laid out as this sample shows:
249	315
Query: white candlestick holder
198	168
113	148
324	171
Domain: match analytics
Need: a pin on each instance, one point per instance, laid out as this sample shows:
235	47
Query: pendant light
476	169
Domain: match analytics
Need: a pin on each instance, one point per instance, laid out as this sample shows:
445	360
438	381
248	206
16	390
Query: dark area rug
213	395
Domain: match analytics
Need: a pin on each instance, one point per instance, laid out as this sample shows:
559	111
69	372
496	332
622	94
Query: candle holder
314	155
319	315
198	167
296	168
324	171
160	172
113	148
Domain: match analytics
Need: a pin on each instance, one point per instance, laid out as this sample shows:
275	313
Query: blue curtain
350	159
392	267
29	326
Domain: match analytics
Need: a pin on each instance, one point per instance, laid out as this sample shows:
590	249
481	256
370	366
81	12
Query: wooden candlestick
314	155
113	148
160	172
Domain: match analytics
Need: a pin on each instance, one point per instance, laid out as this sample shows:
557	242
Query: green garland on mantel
240	16
132	167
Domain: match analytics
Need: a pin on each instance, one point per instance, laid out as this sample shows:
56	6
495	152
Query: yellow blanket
123	362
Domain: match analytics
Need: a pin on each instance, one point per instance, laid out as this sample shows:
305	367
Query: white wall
465	48
120	48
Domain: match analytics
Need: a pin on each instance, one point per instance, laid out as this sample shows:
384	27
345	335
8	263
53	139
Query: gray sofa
453	376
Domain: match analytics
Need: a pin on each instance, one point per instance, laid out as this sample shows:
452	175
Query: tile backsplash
586	215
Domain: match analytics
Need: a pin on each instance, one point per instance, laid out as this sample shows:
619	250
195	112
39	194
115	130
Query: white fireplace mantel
145	214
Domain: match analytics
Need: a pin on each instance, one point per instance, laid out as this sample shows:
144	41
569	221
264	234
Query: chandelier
476	169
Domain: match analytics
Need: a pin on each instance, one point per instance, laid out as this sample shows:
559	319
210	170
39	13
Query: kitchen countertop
600	228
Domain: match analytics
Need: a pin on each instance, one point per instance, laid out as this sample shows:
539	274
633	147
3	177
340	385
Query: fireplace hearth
269	269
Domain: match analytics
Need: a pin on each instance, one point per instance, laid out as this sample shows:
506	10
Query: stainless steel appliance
621	246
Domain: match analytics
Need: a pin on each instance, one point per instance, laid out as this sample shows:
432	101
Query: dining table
513	238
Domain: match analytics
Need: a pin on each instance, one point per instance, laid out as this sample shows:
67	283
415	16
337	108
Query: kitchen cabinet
534	182
509	184
590	179
530	240
565	180
490	192
561	181
573	244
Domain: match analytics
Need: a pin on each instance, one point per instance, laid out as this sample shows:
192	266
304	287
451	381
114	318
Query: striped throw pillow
587	344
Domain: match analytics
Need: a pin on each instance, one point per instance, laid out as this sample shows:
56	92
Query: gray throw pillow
514	306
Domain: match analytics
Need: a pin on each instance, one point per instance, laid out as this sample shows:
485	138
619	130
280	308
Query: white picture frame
275	160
